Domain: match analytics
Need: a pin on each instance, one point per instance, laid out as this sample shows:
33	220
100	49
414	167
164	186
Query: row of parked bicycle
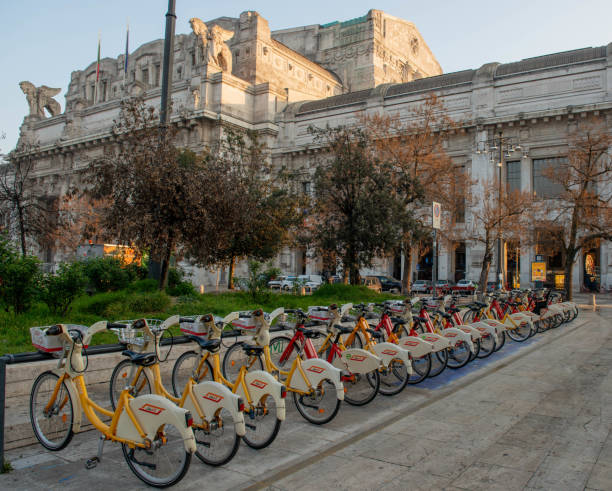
337	353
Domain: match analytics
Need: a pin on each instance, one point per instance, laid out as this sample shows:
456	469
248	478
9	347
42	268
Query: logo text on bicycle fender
351	357
389	352
151	409
213	397
450	334
430	339
411	343
316	369
258	383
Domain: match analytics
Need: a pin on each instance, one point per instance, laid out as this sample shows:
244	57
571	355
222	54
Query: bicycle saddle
211	345
143	359
443	314
343	329
349	318
452	310
252	350
420	319
376	334
480	304
398	320
312	333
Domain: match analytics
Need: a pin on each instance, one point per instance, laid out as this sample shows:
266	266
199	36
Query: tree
422	171
19	278
581	213
244	209
355	213
492	215
149	186
34	214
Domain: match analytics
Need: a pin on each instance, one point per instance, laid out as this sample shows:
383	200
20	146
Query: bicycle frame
135	421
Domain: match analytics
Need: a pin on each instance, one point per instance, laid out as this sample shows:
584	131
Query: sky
43	41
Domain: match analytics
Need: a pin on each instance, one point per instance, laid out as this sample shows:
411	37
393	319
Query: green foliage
183	288
175	276
59	290
148	302
136	271
97	304
106	274
6	467
19	278
346	293
146	285
256	284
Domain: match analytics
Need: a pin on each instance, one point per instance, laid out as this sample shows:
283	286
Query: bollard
594	303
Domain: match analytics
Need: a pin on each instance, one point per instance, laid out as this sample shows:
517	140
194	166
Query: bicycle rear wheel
519	333
439	361
361	388
458	355
320	406
487	345
474	355
420	369
217	444
393	378
123	375
162	465
262	423
501	340
52	427
235	358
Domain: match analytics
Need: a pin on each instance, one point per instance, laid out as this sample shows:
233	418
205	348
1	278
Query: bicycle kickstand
91	463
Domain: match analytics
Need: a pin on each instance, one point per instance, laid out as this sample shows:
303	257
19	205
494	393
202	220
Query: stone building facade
281	82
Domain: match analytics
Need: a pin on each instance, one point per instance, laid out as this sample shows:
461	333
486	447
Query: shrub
345	292
257	282
136	272
97	304
149	302
183	288
59	290
19	278
175	276
148	285
106	274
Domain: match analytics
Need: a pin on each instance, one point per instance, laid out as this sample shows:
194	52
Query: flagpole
97	70
127	50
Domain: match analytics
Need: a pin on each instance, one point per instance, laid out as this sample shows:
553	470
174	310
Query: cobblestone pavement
535	415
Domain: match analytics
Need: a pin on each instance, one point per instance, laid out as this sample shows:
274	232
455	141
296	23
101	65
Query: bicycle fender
518	319
152	412
388	352
317	370
416	346
499	327
261	384
472	331
455	335
357	360
77	413
212	396
485	329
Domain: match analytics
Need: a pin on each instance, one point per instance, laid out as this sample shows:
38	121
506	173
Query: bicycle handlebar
54	330
116	325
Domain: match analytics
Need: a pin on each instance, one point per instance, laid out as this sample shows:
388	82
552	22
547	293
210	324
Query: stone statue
41	98
212	42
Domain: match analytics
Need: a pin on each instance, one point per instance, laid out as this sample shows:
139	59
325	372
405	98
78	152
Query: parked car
312	281
421	286
464	287
276	282
287	283
389	284
443	286
372	282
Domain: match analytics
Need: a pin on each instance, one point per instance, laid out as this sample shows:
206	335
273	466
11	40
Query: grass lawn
15	329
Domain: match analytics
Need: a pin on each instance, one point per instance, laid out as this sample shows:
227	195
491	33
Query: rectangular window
513	176
543	186
145	76
459	194
307	187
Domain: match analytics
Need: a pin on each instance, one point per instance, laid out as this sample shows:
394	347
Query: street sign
538	271
436	212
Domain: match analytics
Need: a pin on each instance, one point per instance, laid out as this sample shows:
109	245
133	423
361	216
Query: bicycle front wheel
185	367
51	420
164	463
321	405
217	444
235	358
393	378
278	345
262	423
123	376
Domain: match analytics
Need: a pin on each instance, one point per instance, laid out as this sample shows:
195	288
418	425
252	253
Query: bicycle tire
124	372
184	368
420	369
235	358
167	439
468	316
474	355
361	388
501	338
519	333
308	402
458	355
61	417
439	362
393	378
217	445
487	345
258	435
277	348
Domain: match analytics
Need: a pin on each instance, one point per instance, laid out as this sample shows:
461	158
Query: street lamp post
505	145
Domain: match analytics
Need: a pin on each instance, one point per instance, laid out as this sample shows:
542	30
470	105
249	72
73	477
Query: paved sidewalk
535	416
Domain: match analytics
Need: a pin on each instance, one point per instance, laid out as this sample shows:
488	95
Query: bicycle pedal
91	463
